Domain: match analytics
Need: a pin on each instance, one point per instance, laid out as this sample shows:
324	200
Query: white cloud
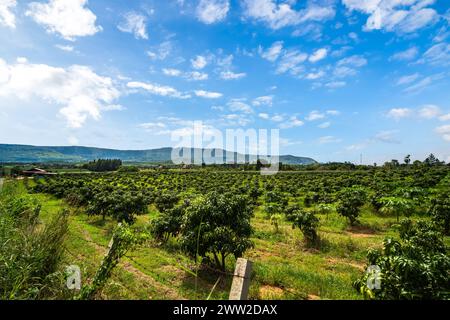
444	131
429	111
354	61
290	62
315	115
196	76
272	53
161	52
405	55
329	139
264	116
335	84
151	126
399	113
407	79
78	90
191	76
212	11
239	105
136	24
333	112
199	62
315	75
159	90
64	48
279	15
172	72
293	122
402	16
438	55
229	75
71	19
7	17
445	117
422	84
263	101
208	94
277	118
324	125
318	55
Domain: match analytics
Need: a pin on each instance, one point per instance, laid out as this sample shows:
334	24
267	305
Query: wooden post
241	280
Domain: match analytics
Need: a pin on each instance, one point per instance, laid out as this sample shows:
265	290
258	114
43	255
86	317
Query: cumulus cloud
405	55
293	122
315	115
429	111
279	15
438	55
208	94
70	19
159	90
291	62
229	75
403	16
134	23
329	139
191	76
272	53
239	105
161	52
399	113
444	131
7	16
263	101
407	79
318	55
212	11
199	62
77	89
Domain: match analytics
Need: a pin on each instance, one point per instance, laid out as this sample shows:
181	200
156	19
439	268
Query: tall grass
30	253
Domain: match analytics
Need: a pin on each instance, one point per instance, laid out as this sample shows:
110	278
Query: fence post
241	280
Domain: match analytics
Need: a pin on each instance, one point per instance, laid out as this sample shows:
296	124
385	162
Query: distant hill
34	154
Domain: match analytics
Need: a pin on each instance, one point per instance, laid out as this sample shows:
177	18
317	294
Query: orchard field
310	234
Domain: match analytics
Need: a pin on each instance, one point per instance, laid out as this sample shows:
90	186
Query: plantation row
209	213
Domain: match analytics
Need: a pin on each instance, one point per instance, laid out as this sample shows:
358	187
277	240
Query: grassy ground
283	267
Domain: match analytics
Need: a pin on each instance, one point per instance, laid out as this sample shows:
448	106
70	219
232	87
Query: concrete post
241	280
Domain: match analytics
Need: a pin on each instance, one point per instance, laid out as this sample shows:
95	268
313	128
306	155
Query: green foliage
308	223
440	211
169	222
414	267
217	224
275	220
350	202
397	206
166	201
30	254
128	169
124	239
103	165
120	205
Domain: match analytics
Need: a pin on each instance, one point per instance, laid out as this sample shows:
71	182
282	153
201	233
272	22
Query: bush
307	222
30	255
217	224
350	202
416	267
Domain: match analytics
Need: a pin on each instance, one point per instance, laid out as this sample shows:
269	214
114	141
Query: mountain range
14	153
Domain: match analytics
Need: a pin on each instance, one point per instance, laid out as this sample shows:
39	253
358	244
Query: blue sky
339	78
